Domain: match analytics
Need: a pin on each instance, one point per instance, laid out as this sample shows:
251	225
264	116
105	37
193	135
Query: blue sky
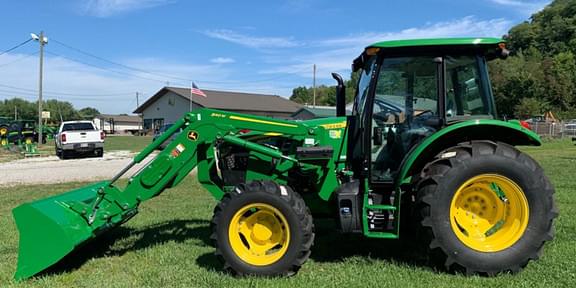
251	46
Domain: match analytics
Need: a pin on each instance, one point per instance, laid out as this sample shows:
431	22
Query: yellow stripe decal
339	125
262	121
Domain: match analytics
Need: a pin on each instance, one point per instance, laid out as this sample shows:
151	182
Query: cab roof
437	42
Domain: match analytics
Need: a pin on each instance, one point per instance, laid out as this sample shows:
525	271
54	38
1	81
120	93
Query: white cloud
107	8
344	49
222	60
527	7
252	41
468	26
84	85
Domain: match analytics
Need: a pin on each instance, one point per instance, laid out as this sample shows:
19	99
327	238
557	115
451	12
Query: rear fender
482	129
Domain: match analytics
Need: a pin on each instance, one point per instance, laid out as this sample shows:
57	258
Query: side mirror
340	95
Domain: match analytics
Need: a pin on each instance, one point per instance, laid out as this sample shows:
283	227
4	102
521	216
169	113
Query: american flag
197	91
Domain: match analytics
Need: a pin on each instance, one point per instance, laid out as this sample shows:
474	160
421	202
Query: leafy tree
60	110
24	109
325	95
300	95
542	67
531	107
88	113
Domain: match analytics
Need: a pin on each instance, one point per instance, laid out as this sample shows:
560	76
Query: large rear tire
484	208
262	228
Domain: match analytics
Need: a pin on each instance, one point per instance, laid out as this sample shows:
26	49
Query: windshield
407	87
78	127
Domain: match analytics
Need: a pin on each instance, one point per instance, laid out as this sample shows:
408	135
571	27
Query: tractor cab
410	89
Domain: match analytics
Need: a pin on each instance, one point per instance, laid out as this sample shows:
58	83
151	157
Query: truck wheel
262	228
99	152
484	208
66	154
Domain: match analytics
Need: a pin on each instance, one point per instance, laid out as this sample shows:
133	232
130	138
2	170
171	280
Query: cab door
405	110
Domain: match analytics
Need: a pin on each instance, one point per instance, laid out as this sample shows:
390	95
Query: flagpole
191	87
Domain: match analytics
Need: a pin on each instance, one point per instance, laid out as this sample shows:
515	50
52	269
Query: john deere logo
193	135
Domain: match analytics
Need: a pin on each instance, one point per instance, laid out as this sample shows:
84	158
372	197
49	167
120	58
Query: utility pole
141	120
314	89
15	112
191	94
43	41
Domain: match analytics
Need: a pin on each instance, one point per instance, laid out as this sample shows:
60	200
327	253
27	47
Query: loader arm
65	222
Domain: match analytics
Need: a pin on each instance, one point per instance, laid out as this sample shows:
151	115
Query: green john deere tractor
422	145
4	123
23	132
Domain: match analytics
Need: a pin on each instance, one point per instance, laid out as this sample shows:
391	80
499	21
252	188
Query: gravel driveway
47	170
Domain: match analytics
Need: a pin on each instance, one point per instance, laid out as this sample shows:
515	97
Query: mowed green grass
167	245
131	143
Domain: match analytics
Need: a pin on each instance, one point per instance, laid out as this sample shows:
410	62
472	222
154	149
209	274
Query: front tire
262	228
484	208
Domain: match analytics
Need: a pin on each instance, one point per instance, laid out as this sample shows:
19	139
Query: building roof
120	118
229	100
318	111
437	42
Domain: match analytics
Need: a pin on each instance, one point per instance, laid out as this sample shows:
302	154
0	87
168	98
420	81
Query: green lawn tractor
423	147
22	132
4	122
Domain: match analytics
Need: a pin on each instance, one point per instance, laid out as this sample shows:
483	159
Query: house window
171	100
147	124
157	123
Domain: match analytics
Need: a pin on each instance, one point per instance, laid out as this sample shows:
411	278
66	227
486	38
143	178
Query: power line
172	76
67	93
15	47
104	68
119	64
19	59
32	96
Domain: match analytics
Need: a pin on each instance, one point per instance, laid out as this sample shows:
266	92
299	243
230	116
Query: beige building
118	124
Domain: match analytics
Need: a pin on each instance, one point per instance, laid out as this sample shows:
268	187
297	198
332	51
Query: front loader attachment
50	229
54	227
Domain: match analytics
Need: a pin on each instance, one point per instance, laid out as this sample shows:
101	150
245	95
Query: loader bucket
50	229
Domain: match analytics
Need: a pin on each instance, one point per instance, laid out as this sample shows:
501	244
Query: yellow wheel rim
489	213
259	234
3	131
3	142
28	140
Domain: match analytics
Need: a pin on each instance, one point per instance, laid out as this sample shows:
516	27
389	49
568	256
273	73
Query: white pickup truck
79	138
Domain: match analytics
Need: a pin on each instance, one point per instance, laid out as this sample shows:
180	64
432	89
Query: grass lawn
131	143
167	245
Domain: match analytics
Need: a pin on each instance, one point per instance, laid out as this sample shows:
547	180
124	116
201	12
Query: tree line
539	76
26	110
